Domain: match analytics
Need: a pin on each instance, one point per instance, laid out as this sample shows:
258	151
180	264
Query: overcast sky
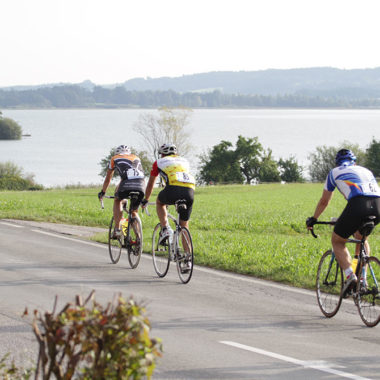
110	41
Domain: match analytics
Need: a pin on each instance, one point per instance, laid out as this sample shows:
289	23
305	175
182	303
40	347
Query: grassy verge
254	230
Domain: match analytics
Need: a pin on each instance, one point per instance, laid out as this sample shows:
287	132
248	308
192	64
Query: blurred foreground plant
95	342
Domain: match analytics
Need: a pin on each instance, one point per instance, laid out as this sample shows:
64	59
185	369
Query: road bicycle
178	248
131	237
366	293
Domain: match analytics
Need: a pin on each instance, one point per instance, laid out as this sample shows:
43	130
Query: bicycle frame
366	293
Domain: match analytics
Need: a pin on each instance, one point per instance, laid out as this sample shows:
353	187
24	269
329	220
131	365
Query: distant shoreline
194	108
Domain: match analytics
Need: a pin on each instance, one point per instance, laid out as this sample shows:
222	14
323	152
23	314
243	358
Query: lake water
66	146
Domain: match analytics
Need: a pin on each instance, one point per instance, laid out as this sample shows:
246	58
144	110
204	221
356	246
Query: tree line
248	162
69	96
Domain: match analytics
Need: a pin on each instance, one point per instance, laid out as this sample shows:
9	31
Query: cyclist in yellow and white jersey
179	184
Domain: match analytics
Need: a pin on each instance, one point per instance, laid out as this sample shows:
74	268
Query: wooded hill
307	88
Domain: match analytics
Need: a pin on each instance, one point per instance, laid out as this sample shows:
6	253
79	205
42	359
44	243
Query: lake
66	146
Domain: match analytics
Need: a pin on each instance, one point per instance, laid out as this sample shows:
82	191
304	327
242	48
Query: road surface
219	326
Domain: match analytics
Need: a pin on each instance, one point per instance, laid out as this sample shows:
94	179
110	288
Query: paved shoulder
65	229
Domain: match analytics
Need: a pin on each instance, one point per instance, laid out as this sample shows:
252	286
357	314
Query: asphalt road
219	326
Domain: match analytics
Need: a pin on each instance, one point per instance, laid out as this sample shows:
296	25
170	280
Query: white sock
348	272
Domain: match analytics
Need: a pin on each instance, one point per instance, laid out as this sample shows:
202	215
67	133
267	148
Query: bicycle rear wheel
185	255
114	245
329	284
134	242
160	252
368	296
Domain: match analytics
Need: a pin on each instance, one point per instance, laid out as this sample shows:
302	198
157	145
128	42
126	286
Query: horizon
60	83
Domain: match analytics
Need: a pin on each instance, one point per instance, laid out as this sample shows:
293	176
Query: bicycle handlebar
105	196
331	223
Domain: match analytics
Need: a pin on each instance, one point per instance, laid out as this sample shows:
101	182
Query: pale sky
110	41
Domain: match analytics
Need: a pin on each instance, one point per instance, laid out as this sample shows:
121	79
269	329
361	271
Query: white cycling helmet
167	149
123	149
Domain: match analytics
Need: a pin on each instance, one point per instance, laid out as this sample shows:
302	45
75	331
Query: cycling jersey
130	170
352	181
174	170
128	166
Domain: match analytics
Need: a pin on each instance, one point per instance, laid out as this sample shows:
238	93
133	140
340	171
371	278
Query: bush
9	129
12	178
92	343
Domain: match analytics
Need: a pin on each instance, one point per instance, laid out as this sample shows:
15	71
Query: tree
9	129
220	165
323	159
248	152
247	162
372	161
268	168
290	170
170	126
145	162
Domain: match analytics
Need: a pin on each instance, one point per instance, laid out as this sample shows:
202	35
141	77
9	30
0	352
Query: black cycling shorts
124	193
354	214
171	194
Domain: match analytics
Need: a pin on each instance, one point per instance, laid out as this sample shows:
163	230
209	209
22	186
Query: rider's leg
358	236
341	252
117	212
162	213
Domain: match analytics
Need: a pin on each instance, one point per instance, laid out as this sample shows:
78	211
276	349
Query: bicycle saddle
368	225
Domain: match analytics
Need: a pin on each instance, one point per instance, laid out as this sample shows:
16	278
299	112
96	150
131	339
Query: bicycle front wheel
114	245
160	253
329	284
134	242
185	255
368	296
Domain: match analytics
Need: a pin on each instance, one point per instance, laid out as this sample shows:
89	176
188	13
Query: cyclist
180	184
359	187
131	174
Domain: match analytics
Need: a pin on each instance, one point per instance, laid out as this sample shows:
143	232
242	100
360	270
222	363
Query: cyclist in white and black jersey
359	187
132	177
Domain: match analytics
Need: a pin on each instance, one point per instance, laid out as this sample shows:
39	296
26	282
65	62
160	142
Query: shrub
9	129
12	178
95	342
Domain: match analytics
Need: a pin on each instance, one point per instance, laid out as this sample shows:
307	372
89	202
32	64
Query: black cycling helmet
344	155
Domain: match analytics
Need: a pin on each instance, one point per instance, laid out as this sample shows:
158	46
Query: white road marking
99	245
200	269
12	225
317	365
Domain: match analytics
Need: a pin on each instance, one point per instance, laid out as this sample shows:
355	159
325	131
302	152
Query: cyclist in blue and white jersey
359	187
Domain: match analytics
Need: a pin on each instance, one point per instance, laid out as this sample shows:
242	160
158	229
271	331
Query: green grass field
253	230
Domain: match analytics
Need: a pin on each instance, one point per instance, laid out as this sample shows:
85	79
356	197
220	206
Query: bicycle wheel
114	245
329	284
184	255
160	252
368	296
134	242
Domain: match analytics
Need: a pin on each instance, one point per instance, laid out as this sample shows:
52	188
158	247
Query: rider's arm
107	180
323	203
149	187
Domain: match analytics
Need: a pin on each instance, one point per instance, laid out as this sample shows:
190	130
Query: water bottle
124	225
354	263
171	233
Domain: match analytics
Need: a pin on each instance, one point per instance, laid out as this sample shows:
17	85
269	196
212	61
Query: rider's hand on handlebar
310	222
101	194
